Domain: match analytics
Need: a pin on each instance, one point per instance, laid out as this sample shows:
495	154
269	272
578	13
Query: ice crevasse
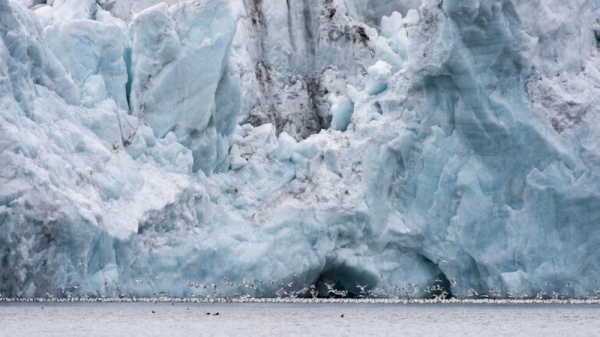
266	146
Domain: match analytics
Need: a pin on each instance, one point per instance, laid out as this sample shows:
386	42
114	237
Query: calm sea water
138	319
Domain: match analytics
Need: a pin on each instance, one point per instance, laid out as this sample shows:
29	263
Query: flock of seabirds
323	293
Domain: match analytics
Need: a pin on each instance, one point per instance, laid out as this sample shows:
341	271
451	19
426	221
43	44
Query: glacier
227	147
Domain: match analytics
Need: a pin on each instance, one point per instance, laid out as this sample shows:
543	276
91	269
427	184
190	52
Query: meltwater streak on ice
465	161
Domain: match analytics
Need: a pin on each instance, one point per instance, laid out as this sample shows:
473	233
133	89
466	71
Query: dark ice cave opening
340	280
343	281
442	286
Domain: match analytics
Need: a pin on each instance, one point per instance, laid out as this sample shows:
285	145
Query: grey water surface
192	319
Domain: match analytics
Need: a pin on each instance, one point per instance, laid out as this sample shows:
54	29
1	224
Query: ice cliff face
265	146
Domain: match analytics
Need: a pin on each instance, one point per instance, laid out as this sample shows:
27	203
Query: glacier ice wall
267	146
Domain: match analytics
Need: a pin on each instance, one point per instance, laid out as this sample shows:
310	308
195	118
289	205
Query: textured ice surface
254	144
